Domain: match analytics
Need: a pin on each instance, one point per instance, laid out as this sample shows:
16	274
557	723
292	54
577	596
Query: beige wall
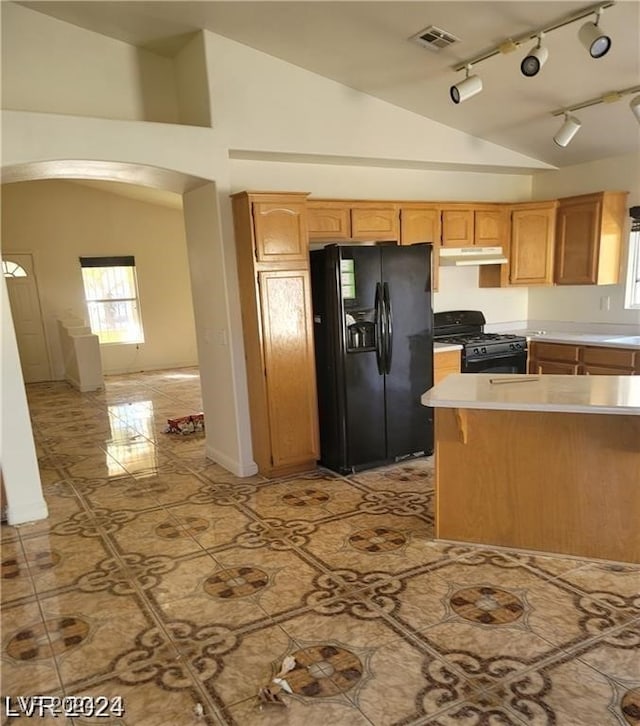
55	67
59	221
262	104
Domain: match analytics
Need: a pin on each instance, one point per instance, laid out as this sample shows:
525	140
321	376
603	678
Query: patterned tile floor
162	579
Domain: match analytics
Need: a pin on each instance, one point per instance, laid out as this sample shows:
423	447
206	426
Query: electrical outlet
605	302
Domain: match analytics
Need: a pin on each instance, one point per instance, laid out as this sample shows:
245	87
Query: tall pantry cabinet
275	297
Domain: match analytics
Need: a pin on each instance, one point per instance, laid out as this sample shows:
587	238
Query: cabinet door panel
531	260
422	224
555	351
578	243
554	367
609	357
489	228
589	370
330	222
457	228
280	232
289	362
374	223
444	364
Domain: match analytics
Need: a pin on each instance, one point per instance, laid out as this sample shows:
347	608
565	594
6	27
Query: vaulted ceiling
367	46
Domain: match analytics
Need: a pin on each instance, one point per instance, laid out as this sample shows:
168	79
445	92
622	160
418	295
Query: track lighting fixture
590	35
593	39
567	131
467	88
571	124
534	61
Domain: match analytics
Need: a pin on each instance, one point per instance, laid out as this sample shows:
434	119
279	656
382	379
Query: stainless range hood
460	256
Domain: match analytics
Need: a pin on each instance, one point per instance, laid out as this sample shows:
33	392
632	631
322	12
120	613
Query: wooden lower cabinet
565	359
620	358
445	363
277	327
539	480
285	301
554	368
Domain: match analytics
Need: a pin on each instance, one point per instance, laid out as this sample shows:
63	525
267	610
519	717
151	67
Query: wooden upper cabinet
589	238
328	220
490	227
421	223
374	221
457	227
280	227
479	225
532	236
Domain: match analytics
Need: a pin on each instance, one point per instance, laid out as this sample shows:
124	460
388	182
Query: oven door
507	363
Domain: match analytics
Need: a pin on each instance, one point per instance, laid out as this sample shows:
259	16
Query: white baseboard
86	388
27	512
237	468
141	368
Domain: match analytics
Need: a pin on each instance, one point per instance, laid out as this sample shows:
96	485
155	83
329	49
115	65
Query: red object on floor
185	424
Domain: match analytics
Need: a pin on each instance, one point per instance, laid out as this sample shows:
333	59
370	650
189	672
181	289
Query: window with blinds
632	295
111	293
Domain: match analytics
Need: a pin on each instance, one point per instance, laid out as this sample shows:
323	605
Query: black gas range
481	352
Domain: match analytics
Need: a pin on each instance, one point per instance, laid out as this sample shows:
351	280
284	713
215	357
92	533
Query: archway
222	364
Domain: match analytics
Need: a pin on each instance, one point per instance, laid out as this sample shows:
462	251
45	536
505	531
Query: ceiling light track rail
512	44
606	98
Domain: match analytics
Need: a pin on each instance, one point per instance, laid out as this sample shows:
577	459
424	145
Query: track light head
534	61
635	107
567	131
593	39
465	89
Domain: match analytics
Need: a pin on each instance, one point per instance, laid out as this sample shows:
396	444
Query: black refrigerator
374	353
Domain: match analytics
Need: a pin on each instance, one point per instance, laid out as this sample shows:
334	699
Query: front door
27	316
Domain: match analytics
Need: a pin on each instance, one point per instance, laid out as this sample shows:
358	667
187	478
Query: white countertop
560	394
444	347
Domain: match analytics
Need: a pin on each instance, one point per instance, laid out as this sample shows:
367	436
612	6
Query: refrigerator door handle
386	299
380	335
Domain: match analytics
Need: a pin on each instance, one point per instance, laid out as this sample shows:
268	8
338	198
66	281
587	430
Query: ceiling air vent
435	38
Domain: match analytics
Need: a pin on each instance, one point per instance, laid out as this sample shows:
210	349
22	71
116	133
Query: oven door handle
500	356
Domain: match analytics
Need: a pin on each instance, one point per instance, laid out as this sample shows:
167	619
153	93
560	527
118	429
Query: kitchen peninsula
546	463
